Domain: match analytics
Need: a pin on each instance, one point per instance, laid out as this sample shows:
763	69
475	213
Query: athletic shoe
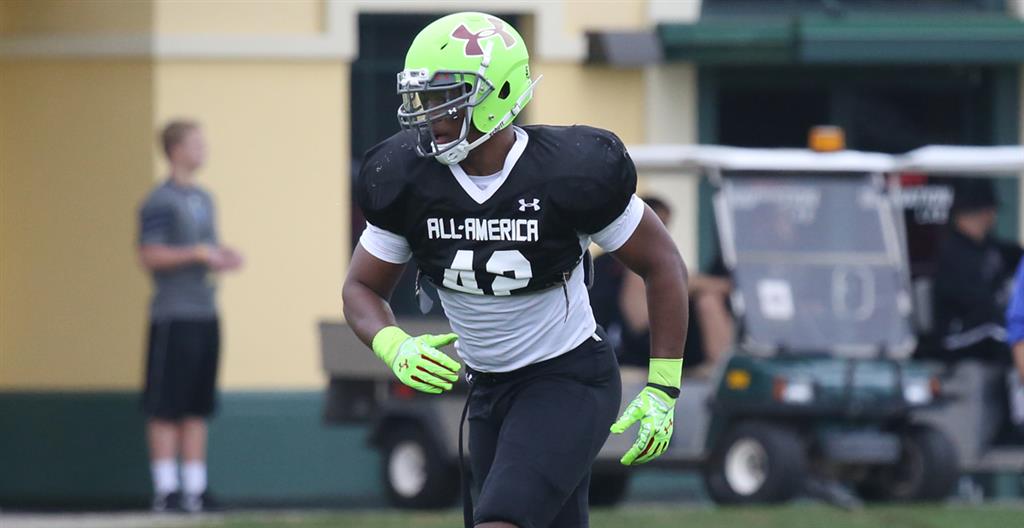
200	503
166	502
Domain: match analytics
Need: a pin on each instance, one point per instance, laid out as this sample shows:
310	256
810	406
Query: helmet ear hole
505	90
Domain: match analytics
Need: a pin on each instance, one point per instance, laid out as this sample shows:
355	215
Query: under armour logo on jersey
535	204
472	47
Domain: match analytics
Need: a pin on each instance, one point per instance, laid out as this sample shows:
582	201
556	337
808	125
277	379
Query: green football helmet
466	64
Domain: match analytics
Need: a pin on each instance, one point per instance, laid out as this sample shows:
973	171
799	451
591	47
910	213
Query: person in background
178	245
972	278
619	301
712	316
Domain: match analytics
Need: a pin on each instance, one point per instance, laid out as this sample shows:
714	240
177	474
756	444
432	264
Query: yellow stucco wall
671	117
265	17
582	15
278	168
80	17
603	97
574	93
75	156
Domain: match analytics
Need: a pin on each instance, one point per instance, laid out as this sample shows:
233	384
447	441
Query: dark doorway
881	109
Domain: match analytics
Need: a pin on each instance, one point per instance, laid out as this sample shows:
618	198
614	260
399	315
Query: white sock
194	476
165	475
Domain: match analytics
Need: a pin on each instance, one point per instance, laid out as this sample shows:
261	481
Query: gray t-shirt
173	215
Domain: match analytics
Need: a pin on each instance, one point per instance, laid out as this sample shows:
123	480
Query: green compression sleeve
666	371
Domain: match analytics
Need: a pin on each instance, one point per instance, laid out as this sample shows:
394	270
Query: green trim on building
733	40
87	450
80	449
848	39
72	449
921	39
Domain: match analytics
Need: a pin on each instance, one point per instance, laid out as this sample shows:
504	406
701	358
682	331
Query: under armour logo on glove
535	204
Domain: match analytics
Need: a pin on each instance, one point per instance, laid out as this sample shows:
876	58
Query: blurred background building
290	93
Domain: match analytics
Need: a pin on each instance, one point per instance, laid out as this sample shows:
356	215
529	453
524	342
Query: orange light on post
826	138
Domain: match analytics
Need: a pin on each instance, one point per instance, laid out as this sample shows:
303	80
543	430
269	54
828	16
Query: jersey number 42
462	277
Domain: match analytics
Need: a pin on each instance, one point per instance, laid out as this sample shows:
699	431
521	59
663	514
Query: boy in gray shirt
178	245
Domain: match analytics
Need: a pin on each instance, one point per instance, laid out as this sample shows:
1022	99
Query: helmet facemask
427	99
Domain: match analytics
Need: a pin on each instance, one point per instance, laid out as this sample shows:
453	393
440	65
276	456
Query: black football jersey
524	237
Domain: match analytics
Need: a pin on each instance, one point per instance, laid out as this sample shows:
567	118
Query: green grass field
659	516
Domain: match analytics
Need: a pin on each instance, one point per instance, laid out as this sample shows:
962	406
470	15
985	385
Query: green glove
654	408
416	360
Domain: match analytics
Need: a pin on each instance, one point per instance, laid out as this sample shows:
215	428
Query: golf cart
958	407
819	396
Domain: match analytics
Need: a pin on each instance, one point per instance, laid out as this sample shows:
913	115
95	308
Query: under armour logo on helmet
473	39
535	204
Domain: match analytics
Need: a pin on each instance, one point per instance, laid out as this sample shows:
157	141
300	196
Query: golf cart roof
938	159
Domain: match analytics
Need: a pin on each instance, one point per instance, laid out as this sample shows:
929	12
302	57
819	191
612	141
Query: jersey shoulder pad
383	180
599	180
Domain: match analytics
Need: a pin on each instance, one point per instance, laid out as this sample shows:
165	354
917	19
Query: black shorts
181	368
535	432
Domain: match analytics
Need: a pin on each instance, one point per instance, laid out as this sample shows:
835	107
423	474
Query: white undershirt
483	182
499	334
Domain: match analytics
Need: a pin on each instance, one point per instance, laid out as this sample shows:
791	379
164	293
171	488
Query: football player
499	218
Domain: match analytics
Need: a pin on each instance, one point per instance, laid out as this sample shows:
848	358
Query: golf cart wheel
416	473
608	488
927	470
756	463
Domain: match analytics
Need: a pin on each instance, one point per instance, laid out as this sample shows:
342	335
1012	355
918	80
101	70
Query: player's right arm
370	282
416	361
375	269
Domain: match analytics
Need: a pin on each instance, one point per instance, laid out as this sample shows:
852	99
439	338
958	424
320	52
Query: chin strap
459	152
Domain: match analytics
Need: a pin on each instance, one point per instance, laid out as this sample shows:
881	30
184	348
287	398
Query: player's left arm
650	253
